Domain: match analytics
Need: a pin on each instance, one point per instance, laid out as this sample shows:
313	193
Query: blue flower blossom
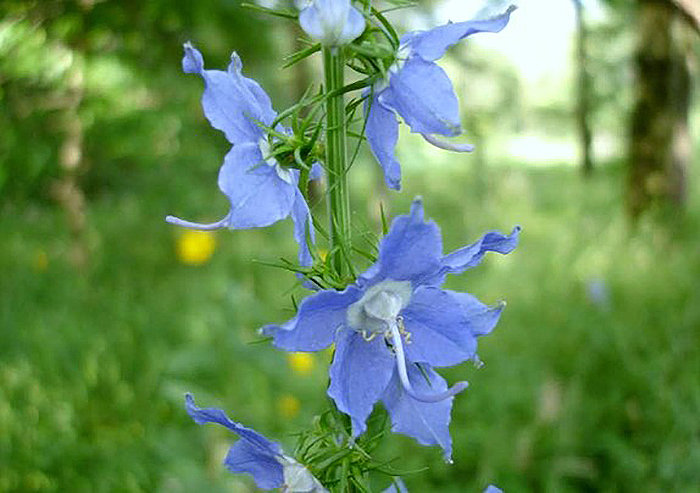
420	92
492	489
256	455
394	325
332	22
261	191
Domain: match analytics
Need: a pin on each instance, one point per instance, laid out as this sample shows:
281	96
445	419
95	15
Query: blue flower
420	92
261	191
394	324
332	22
492	489
256	455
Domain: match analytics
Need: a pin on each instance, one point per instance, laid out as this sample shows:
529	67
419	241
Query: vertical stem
336	163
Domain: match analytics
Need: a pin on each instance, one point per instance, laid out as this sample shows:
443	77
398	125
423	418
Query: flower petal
428	423
422	93
481	318
439	329
382	132
230	101
266	470
301	215
317	320
258	195
411	250
359	374
431	45
469	256
332	22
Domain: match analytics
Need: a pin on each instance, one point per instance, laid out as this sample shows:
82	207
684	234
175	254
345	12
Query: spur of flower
394	325
256	455
420	92
260	189
332	22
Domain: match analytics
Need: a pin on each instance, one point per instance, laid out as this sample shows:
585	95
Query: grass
591	381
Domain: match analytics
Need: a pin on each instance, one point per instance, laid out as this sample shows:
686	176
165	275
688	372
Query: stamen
403	374
203	227
368	336
448	146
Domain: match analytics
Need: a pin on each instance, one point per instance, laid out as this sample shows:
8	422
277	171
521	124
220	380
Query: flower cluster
394	324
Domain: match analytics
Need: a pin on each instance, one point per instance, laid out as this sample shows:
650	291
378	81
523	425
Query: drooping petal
332	22
317	320
438	327
213	415
422	93
359	374
428	423
469	256
481	318
259	195
431	45
232	103
266	470
301	215
382	130
411	250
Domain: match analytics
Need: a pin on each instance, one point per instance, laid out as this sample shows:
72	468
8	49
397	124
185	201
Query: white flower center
379	307
283	173
298	479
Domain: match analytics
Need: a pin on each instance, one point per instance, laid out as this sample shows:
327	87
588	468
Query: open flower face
395	324
420	92
261	191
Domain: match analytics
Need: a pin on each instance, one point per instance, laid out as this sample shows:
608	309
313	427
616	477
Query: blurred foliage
118	58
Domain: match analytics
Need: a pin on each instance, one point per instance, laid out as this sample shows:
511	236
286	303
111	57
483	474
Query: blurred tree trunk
67	189
583	96
660	142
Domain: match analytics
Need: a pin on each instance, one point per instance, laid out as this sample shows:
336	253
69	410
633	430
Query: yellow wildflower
288	406
195	247
301	363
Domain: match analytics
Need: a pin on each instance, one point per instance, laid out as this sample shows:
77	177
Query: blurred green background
108	315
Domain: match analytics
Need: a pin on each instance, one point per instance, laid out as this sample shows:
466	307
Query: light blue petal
230	101
318	319
469	256
492	489
212	415
439	329
316	172
382	130
431	45
332	22
422	94
427	423
302	223
359	374
258	195
263	105
267	472
481	318
411	250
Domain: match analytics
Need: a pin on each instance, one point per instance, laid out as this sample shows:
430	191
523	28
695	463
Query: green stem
336	164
